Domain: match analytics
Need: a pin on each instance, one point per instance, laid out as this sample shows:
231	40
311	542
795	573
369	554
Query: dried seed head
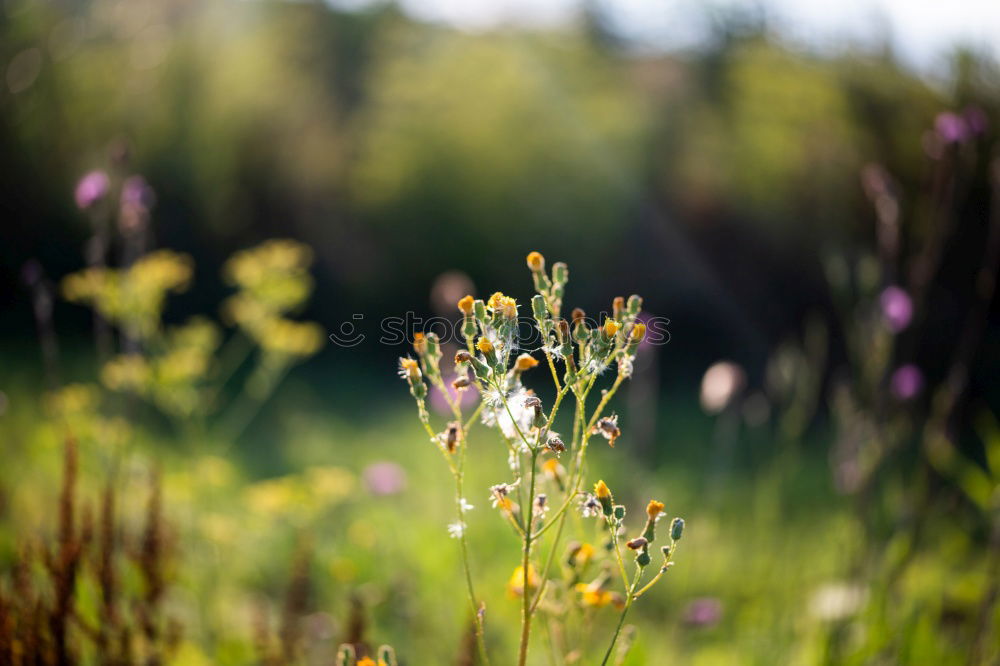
608	428
525	362
451	435
536	262
637	543
555	444
461	383
465	305
578	315
462	356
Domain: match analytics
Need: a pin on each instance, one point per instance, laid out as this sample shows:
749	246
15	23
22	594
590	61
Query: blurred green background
760	190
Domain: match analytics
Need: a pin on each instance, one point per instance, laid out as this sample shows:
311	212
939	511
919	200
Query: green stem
526	606
621	620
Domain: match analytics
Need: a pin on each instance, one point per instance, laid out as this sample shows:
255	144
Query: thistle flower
536	262
484	345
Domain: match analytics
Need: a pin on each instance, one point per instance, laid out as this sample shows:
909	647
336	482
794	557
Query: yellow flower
366	661
525	362
591	594
611	328
409	368
602	491
505	305
582	556
552	468
653	509
465	304
638	331
484	345
536	262
515	586
419	343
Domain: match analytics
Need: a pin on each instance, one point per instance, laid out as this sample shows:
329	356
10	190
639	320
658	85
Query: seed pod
637	543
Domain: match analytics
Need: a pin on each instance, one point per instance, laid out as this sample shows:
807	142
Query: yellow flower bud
602	491
653	509
465	304
484	345
525	362
611	328
419	343
536	262
638	331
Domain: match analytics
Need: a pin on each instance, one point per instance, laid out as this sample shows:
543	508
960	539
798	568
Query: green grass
762	538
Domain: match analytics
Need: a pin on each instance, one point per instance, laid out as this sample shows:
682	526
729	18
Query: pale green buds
387	656
538	307
634	306
677	529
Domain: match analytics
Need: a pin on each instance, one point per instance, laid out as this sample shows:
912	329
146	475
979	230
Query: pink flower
384	478
906	382
951	127
897	308
91	189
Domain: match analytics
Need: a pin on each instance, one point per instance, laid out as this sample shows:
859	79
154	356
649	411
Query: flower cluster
548	470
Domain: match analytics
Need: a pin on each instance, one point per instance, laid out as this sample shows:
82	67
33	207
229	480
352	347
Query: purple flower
703	612
976	120
906	382
136	193
384	478
951	127
897	308
91	189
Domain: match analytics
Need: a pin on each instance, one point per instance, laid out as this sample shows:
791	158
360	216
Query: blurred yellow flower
515	586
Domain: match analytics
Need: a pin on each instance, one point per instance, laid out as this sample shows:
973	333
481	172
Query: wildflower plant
548	470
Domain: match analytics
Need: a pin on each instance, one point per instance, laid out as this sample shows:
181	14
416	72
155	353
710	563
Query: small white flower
456	530
541	506
463	505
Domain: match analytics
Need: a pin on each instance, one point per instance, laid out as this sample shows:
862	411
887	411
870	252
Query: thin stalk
526	607
621	620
